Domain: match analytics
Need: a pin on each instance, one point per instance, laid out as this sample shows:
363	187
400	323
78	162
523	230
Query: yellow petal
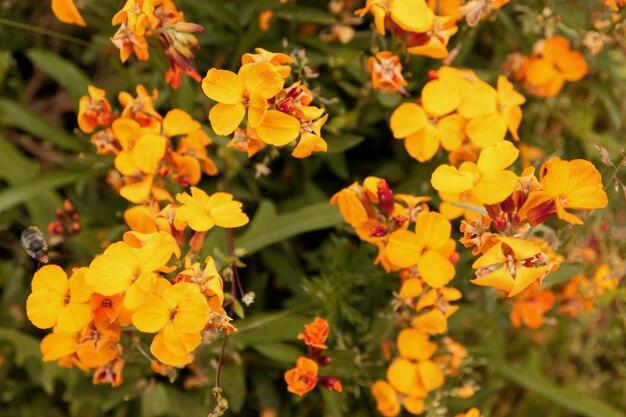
386	398
257	110
179	343
152	316
500	279
43	308
432	230
487	130
497	157
308	144
407	119
73	317
179	122
440	98
52	279
430	375
278	128
403	375
148	152
522	248
403	249
58	345
478	99
66	12
158	349
111	272
415	345
436	269
413	405
412	15
424	144
495	186
223	86
137	192
525	277
452	129
448	179
139	291
261	79
225	118
507	96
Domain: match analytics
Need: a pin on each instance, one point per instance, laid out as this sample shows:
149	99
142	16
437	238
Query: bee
35	244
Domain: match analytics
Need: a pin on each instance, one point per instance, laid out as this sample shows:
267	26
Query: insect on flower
35	244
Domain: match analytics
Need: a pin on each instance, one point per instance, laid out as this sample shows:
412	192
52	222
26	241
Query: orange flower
302	378
315	334
94	110
512	265
246	141
530	306
202	211
472	412
387	402
110	373
386	72
59	301
575	185
280	61
249	90
66	12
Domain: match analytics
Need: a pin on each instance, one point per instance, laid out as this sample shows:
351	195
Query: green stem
469	207
47	32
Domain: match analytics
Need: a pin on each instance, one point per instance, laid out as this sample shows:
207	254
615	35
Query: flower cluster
386	72
544	73
67	221
161	20
457	110
425	356
514	205
136	282
414	21
305	376
275	114
147	153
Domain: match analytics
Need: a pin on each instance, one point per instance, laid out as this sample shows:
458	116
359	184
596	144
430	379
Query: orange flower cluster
305	376
473	10
514	205
422	364
147	155
544	73
414	21
274	114
161	20
457	110
128	285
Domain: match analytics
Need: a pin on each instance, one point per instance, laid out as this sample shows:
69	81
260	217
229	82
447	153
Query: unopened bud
75	228
385	197
399	220
378	231
508	205
500	223
324	360
331	383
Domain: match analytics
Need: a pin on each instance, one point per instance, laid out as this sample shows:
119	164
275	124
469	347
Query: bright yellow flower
138	15
122	268
202	211
311	139
386	397
94	110
404	377
141	149
574	185
512	265
249	90
280	61
99	344
58	301
208	279
488	179
58	345
427	247
414	344
410	15
491	112
66	12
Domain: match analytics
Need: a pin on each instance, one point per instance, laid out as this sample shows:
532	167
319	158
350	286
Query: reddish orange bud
378	231
331	383
385	197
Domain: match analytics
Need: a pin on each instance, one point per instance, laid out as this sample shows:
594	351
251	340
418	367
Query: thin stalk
47	32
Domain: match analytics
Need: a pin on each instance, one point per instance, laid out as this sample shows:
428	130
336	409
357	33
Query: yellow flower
138	15
428	248
575	185
414	344
280	61
491	112
512	265
433	43
386	397
249	90
202	211
122	268
66	12
208	279
488	179
59	301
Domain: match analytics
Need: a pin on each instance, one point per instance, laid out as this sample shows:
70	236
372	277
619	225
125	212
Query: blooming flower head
58	301
387	402
574	185
409	15
248	90
122	268
433	43
202	211
488	179
94	110
302	378
279	60
512	265
315	334
530	306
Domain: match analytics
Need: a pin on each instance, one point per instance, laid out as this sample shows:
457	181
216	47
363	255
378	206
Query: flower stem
47	32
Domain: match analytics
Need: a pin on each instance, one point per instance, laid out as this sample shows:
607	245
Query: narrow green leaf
268	227
610	102
18	194
279	352
564	396
234	385
60	70
15	115
341	143
269	328
25	346
305	14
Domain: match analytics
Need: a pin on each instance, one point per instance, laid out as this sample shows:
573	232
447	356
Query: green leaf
279	352
234	385
60	70
564	273
564	396
270	328
155	402
341	143
18	194
268	227
25	345
612	106
15	115
305	14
